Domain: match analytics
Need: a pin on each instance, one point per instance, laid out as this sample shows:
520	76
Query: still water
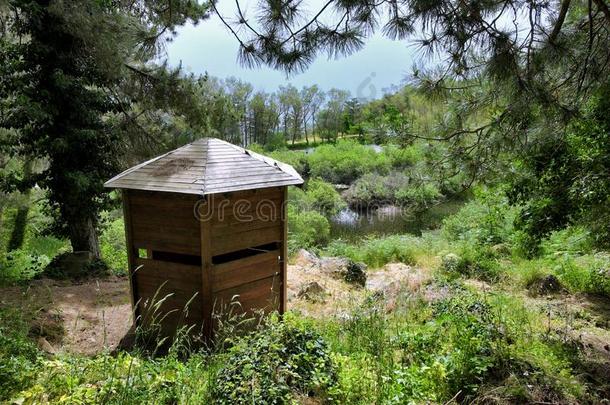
351	225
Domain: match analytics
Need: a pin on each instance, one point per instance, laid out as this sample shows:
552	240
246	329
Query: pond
351	225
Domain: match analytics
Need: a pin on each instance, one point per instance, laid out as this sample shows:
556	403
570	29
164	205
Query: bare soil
85	318
95	315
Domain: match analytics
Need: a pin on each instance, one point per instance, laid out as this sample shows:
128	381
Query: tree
514	75
520	65
292	108
312	98
239	93
262	118
331	118
70	74
567	181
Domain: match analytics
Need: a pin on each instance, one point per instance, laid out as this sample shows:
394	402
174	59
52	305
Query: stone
313	292
70	265
344	269
355	273
305	258
335	266
45	346
548	284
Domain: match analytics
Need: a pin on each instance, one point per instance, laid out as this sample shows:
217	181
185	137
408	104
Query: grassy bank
478	331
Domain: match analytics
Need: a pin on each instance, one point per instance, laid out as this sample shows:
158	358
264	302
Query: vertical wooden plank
206	273
133	288
284	251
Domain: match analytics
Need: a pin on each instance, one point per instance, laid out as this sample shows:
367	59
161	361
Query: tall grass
462	347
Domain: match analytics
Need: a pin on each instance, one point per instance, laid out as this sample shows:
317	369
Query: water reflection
350	225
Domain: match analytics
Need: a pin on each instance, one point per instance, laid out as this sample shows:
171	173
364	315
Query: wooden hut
205	224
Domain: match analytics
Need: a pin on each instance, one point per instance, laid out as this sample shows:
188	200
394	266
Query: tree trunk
21	219
305	129
83	236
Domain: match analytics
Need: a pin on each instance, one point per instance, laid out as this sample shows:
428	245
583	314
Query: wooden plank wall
243	220
131	254
246	219
164	222
178	285
255	279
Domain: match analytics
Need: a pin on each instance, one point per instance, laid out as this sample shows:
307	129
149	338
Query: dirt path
93	316
82	318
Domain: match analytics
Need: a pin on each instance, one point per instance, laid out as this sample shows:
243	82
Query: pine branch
565	5
604	8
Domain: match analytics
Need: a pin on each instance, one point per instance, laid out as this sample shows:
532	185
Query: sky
210	47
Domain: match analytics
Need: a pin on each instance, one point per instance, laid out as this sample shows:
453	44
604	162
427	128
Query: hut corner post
206	275
130	256
284	251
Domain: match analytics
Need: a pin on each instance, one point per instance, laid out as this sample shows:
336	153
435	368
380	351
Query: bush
473	261
571	240
122	379
112	246
21	265
376	252
346	161
307	229
297	159
373	189
18	356
272	364
590	274
401	158
37	249
487	220
323	197
276	141
419	196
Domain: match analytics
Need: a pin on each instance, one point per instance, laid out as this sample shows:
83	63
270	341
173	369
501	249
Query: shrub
306	229
487	220
375	189
376	252
323	197
21	265
37	249
473	261
112	246
297	159
18	356
571	240
272	364
419	196
588	274
121	379
403	157
346	161
276	141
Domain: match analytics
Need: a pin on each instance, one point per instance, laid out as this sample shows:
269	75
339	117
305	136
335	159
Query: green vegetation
376	252
272	365
507	302
346	161
459	343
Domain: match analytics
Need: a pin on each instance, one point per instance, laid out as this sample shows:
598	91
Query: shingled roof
207	166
